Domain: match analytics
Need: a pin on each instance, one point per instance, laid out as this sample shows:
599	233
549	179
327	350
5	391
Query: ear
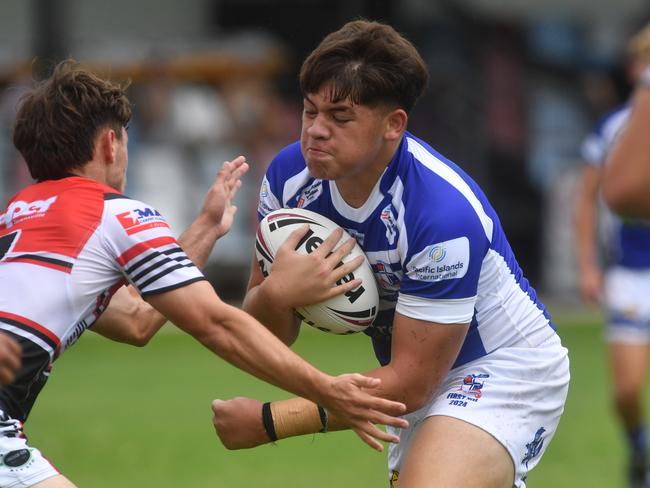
395	124
106	145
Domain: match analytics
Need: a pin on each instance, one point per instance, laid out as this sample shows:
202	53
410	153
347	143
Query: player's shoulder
287	165
129	212
437	187
288	160
429	177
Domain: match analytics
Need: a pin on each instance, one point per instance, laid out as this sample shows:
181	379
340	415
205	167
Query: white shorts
516	394
21	466
627	293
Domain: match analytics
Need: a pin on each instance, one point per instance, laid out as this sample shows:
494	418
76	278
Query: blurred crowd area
511	98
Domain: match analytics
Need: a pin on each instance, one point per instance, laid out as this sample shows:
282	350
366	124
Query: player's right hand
10	354
351	401
238	423
297	280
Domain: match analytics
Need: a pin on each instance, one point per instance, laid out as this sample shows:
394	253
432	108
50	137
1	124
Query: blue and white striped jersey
435	244
629	240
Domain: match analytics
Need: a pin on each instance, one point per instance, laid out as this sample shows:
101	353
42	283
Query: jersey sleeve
268	202
446	248
138	238
287	166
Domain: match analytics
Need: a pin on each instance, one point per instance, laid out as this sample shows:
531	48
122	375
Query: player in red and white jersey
69	242
68	245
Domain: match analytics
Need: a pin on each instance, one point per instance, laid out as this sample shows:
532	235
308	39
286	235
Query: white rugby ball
348	313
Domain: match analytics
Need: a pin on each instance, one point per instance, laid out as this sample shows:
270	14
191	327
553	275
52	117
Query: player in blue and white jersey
624	286
461	338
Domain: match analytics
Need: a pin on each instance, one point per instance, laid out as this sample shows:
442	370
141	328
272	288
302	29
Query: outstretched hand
353	404
217	205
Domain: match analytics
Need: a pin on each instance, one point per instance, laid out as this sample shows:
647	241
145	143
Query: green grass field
114	415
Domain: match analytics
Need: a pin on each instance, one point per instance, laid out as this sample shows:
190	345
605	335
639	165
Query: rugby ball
347	313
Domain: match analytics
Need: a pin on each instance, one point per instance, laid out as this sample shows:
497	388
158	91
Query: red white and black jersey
65	247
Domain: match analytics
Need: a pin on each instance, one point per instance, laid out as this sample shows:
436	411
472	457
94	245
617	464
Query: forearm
279	319
299	416
244	342
199	239
401	387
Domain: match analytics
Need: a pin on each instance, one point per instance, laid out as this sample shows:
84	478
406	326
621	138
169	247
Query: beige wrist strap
297	416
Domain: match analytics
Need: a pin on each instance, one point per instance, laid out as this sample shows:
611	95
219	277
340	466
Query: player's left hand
217	205
238	423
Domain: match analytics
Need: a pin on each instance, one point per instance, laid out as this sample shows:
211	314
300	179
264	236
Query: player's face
341	139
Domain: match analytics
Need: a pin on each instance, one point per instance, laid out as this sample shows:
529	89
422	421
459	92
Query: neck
93	170
356	188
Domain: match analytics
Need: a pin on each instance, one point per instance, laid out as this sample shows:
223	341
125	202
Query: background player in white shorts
461	336
72	239
624	289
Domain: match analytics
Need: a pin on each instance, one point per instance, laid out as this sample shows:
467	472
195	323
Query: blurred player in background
72	239
627	171
624	288
461	336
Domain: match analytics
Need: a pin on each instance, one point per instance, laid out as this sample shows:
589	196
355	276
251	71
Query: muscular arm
130	319
242	341
585	225
626	178
422	355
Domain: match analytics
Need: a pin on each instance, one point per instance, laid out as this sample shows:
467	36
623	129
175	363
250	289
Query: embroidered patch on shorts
471	388
534	447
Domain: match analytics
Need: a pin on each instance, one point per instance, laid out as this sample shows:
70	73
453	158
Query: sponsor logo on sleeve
20	210
446	260
267	202
140	219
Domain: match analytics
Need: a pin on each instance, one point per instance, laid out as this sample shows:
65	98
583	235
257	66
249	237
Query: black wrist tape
267	420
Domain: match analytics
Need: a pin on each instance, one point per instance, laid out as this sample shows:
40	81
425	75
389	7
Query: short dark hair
58	120
369	63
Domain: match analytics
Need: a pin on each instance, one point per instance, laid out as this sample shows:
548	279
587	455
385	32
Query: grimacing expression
340	139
